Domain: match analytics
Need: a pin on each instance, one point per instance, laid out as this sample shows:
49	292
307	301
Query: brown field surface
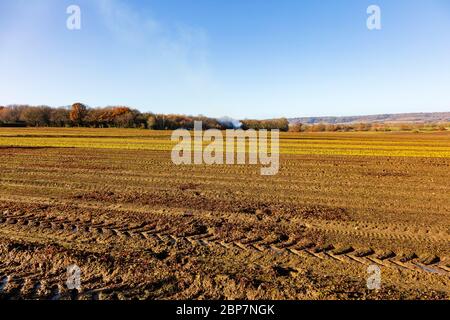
112	202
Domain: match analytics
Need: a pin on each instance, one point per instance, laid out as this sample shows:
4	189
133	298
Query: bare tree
36	116
59	117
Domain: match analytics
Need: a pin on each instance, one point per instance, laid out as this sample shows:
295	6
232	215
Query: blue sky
241	58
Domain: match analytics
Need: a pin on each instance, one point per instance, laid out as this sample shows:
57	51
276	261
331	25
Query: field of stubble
139	227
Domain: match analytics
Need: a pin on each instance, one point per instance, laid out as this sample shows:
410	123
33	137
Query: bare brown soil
140	227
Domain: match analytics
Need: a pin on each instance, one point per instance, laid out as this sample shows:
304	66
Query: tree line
389	126
79	115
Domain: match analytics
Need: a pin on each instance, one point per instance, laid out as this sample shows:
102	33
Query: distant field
436	145
425	118
112	202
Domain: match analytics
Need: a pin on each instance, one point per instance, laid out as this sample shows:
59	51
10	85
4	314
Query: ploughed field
139	227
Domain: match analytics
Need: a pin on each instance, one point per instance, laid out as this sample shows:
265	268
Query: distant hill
431	117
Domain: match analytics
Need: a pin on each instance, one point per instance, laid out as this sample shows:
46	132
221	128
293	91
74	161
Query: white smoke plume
229	123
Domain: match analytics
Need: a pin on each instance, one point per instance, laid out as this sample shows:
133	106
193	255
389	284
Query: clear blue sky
242	58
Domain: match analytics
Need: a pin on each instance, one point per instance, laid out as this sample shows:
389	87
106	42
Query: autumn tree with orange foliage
78	113
122	117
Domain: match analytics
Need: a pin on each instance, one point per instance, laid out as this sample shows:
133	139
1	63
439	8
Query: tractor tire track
260	245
